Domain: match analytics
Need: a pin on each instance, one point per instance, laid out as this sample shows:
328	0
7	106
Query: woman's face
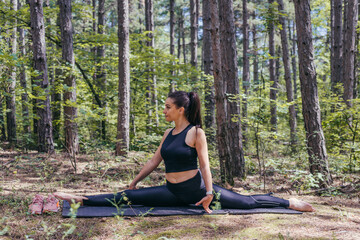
171	111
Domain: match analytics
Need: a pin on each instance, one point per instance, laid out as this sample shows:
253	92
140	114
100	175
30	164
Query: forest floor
25	174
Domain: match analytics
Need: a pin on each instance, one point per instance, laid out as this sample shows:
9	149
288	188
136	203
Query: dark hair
191	103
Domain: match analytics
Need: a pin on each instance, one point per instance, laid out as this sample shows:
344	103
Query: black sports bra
177	155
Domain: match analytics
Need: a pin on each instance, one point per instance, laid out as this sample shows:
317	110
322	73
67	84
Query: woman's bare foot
69	197
299	205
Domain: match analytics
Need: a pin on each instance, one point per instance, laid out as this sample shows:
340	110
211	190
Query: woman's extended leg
152	196
230	199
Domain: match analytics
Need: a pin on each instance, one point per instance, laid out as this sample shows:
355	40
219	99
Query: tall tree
152	88
23	84
292	39
70	108
230	77
220	99
349	50
336	44
310	101
246	69
100	70
44	128
287	70
193	35
272	70
56	97
10	96
208	68
122	137
182	30
172	41
255	51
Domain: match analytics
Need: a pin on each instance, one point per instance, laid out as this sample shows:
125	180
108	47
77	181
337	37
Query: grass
22	176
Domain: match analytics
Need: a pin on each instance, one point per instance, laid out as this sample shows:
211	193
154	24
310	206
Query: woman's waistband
194	182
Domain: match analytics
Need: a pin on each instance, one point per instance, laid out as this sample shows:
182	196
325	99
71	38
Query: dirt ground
25	174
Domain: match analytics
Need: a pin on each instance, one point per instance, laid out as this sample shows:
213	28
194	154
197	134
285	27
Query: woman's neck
181	124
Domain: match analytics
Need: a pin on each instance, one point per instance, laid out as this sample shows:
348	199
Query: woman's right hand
132	186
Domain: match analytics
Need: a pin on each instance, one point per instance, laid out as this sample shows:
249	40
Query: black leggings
188	192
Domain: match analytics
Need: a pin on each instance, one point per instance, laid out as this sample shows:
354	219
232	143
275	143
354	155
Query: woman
180	148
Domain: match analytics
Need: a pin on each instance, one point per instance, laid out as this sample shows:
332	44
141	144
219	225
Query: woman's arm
150	165
202	151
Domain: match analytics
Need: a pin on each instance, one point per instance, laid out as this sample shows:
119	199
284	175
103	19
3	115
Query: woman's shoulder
167	131
197	132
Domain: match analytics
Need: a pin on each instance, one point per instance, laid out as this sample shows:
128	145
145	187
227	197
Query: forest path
24	175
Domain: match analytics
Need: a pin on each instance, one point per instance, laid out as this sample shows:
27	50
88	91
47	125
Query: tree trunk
56	94
122	137
172	42
287	70
100	69
179	19
208	70
10	97
310	101
183	36
2	122
230	77
272	69
255	53
45	138
220	100
70	109
357	65
246	69
23	84
152	89
293	60
349	50
336	46
193	37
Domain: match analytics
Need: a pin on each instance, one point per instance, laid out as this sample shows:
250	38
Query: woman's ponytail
194	111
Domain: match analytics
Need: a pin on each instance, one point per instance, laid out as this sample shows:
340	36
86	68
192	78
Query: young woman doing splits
181	148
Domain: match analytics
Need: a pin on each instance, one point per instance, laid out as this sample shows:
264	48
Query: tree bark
10	97
2	122
56	97
172	42
152	89
220	100
230	77
287	70
272	69
208	70
44	128
183	36
246	70
179	19
255	53
122	137
293	60
23	84
336	46
310	101
70	108
100	69
349	50
193	37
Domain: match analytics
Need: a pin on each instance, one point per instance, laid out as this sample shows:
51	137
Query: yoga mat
136	211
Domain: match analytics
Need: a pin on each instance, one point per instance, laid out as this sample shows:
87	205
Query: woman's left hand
205	201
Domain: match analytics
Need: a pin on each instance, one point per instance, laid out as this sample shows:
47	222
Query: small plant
71	226
4	229
216	205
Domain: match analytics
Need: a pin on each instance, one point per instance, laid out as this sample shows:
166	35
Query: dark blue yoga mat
136	211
